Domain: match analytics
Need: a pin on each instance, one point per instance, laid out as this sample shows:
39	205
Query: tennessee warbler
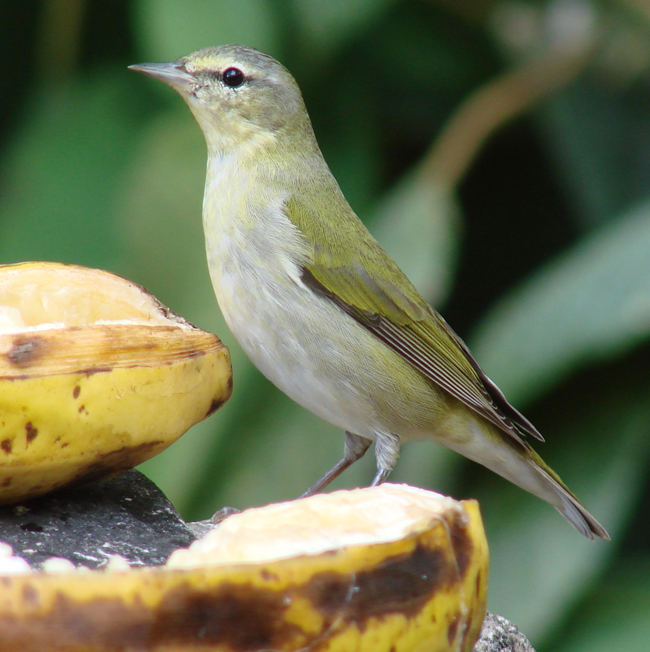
318	305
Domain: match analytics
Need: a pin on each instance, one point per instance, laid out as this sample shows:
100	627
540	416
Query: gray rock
126	515
201	528
500	635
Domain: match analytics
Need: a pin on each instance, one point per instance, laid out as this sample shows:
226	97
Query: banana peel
96	376
382	569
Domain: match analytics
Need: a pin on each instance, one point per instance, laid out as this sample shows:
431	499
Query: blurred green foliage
527	223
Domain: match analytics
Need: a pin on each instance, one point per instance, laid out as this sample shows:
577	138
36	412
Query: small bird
319	307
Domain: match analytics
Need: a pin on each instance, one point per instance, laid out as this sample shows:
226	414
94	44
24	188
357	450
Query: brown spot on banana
247	618
452	630
30	595
30	433
26	350
400	585
214	406
116	461
461	543
242	618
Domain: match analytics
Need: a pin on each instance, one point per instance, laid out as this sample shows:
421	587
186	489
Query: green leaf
596	131
347	132
615	615
325	25
588	134
62	170
158	208
591	304
169	29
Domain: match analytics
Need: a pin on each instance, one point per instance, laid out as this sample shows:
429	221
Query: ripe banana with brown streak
383	569
96	376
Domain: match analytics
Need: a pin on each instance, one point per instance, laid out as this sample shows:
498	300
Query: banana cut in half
382	569
96	376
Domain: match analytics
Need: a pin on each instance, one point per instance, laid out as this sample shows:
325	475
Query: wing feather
368	285
435	353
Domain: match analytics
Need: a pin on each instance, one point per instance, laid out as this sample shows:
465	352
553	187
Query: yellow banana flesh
382	569
96	376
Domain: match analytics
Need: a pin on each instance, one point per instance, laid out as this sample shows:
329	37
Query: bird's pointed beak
173	73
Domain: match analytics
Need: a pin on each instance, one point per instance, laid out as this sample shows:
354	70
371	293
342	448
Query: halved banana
96	376
384	569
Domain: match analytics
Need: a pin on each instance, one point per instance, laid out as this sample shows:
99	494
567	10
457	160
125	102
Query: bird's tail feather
569	506
518	462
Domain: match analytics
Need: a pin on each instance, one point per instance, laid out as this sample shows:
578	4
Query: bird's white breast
255	256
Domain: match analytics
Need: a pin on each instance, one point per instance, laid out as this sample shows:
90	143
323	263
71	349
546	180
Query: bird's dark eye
233	77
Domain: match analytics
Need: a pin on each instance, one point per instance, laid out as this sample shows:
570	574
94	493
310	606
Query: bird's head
238	95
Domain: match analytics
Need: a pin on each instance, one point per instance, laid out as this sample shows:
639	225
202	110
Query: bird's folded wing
426	341
348	266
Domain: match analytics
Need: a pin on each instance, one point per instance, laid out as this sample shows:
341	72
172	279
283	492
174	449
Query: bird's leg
387	450
355	449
